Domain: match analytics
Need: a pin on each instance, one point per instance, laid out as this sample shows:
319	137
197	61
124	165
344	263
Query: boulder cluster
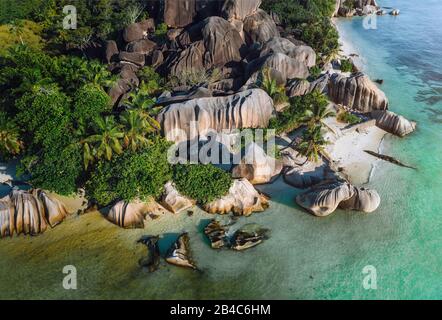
350	8
29	213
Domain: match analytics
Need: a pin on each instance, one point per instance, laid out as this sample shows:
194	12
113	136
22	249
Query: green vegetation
347	65
312	143
312	19
204	183
275	91
347	117
131	175
10	143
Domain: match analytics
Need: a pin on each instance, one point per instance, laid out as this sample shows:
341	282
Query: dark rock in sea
379	81
152	260
216	234
179	253
248	237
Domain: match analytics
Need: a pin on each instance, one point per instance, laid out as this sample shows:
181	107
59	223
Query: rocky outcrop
280	65
179	253
111	51
239	9
222	42
248	236
247	109
152	260
364	200
144	46
259	27
323	199
173	201
138	31
213	42
135	58
242	199
188	60
301	53
128	215
308	175
216	234
357	92
29	213
256	166
179	13
300	87
393	123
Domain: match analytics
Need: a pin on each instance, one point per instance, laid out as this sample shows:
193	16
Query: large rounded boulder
256	166
363	199
301	53
188	120
259	27
242	199
239	9
357	92
393	123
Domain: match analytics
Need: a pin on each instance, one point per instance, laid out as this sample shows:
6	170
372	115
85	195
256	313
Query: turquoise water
306	257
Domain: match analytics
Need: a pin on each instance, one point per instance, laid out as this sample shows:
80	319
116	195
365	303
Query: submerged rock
357	92
246	109
242	199
152	260
393	123
216	234
173	201
248	237
256	166
29	213
179	253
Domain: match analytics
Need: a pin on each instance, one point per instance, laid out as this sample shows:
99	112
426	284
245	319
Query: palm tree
99	76
10	142
142	97
104	143
137	124
275	91
317	111
312	144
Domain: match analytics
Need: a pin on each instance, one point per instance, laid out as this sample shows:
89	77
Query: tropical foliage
204	183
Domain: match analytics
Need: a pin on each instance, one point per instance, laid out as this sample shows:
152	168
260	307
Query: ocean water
305	257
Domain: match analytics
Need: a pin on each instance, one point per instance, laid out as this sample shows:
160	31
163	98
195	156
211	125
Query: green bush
346	65
204	183
348	117
90	102
131	175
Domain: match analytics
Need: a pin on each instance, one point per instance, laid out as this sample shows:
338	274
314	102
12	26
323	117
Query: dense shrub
348	117
204	183
346	65
90	102
131	175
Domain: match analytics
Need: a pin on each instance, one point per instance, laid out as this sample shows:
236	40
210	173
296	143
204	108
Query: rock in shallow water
152	260
323	199
393	123
216	234
179	253
248	237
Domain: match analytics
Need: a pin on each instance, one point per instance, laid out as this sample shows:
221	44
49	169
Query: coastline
348	149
